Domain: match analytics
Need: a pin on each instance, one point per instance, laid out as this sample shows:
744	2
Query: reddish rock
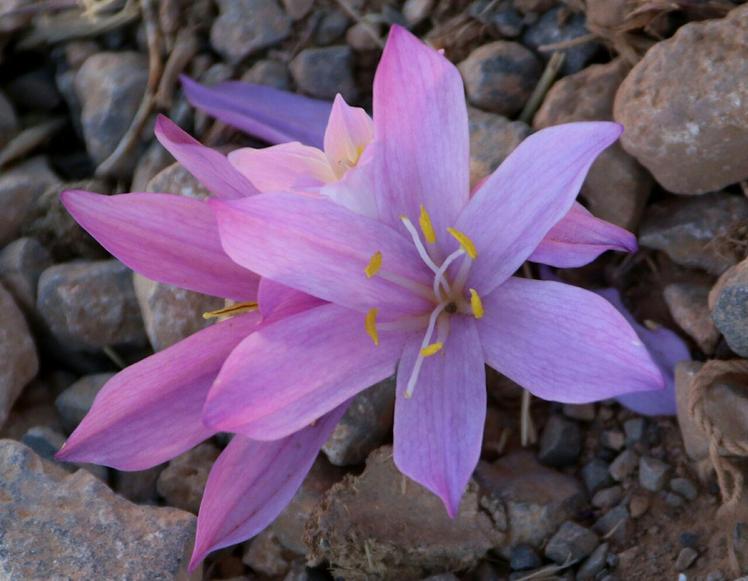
687	302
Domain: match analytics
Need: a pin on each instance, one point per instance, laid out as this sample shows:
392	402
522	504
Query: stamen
424	344
371	325
440	278
476	304
375	264
432	349
231	310
419	289
464	240
424	221
422	252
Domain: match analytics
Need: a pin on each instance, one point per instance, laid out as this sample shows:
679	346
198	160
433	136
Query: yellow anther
476	304
424	221
375	263
371	325
432	349
232	310
465	242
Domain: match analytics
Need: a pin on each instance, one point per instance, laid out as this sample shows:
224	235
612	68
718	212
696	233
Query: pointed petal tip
196	560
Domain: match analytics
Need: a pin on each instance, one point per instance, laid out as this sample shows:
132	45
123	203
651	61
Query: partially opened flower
425	286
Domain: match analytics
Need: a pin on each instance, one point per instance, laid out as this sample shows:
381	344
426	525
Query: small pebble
686	558
688	539
715	576
416	11
624	465
639	505
614	522
584	412
673	500
560	443
596	475
571	542
593	564
523	557
635	429
684	487
653	473
608	497
613	439
324	72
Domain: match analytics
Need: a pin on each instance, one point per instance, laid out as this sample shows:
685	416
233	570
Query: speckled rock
683	106
182	482
110	86
20	361
21	263
500	76
87	305
73	403
98	535
324	72
244	27
688	305
729	304
492	139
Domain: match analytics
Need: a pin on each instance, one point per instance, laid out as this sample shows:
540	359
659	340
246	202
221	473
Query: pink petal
252	482
151	411
563	343
421	123
322	249
349	131
209	166
439	431
278	300
285	167
293	371
579	238
271	114
164	237
527	195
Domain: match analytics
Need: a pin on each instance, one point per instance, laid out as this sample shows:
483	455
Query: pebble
560	442
639	505
673	500
98	535
46	442
265	555
175	179
297	9
608	497
614	524
153	160
686	558
21	263
492	139
572	542
87	305
406	528
502	18
534	6
359	37
613	440
683	106
715	576
729	308
182	482
332	25
9	125
73	403
244	27
653	473
688	305
624	465
366	425
269	72
17	352
138	486
594	563
324	72
684	487
583	412
596	475
688	539
416	11
523	557
110	86
635	430
500	76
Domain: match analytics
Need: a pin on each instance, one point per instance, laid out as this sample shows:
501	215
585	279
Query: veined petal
563	343
295	370
278	300
265	112
421	123
164	237
322	249
349	131
579	237
285	167
252	482
439	430
151	411
527	195
210	167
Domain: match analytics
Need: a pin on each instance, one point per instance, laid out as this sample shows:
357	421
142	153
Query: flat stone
74	403
594	563
325	72
524	557
98	535
560	442
366	425
607	497
653	473
182	482
596	475
245	27
624	465
500	76
265	555
408	533
572	542
695	232
21	263
683	106
685	487
686	558
688	304
492	139
729	309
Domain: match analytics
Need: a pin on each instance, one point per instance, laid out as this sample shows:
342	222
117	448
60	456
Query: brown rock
381	524
265	555
34	407
58	525
182	482
683	106
138	486
492	139
247	26
606	16
21	264
20	361
174	179
297	9
153	160
694	440
687	302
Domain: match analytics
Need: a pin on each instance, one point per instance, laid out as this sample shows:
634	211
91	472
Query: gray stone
684	487
572	542
182	482
46	442
265	555
269	72
8	120
297	9
492	139
524	557
73	403
728	301
653	473
324	72
583	412
560	442
596	475
613	440
331	27
673	500
363	36
608	497
715	576
635	429
244	27
138	486
416	11
614	524
688	304
98	535
21	264
594	563
686	558
502	17
624	465
500	76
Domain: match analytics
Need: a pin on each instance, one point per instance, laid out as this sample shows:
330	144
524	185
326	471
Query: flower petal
349	131
151	411
252	482
322	249
563	343
293	371
438	431
270	114
579	237
285	167
421	124
164	237
210	167
278	300
527	195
